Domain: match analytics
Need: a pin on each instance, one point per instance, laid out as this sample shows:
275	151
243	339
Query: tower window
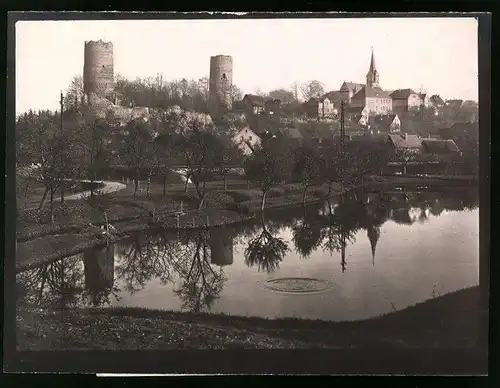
224	76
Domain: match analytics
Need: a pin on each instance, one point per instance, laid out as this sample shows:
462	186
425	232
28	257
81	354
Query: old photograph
294	183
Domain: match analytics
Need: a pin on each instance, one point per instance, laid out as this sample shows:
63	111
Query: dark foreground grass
453	320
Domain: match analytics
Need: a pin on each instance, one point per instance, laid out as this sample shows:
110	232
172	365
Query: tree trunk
51	205
263	202
107	228
62	191
148	188
136	182
304	196
329	190
165	183
92	183
44	199
202	201
186	184
225	183
404	169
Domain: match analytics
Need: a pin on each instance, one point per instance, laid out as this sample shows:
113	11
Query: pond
350	258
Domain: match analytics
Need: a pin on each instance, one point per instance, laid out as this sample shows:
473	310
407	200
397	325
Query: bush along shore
431	324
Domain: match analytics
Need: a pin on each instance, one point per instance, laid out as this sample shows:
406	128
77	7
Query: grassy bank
452	320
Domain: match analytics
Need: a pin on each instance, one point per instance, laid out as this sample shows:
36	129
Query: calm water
374	252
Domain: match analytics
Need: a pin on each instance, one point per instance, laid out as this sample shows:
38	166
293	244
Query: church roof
368	92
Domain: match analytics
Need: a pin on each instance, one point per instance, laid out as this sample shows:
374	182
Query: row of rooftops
399	141
361	92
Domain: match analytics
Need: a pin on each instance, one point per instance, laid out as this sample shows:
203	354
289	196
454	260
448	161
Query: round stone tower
221	81
98	78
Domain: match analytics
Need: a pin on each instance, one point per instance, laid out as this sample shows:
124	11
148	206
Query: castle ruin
221	82
98	76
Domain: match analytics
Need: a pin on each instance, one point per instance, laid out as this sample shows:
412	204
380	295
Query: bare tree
269	165
197	152
312	89
137	148
307	167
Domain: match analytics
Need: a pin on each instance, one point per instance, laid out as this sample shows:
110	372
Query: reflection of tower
98	73
221	247
99	268
342	246
221	82
373	233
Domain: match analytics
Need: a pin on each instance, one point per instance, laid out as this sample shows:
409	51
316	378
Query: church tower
372	76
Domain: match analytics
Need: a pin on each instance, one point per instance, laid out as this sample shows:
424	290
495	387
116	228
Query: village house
404	100
372	96
272	106
385	123
443	151
246	140
357	115
349	89
335	97
454	103
426	102
436	101
256	105
320	107
412	143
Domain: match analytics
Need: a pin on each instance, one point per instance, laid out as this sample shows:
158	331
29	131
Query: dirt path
109	187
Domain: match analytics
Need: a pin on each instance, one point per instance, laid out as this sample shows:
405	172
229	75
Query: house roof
436	100
316	99
402	94
255	100
367	92
351	86
354	110
436	146
454	102
333	95
469	103
464	127
382	122
406	141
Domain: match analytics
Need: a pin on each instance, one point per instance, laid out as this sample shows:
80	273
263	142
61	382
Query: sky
438	54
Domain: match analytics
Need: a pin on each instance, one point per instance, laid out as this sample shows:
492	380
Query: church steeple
372	77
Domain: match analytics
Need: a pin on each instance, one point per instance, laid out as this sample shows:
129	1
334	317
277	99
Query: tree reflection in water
200	283
308	235
340	228
143	257
71	282
160	255
265	250
184	260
